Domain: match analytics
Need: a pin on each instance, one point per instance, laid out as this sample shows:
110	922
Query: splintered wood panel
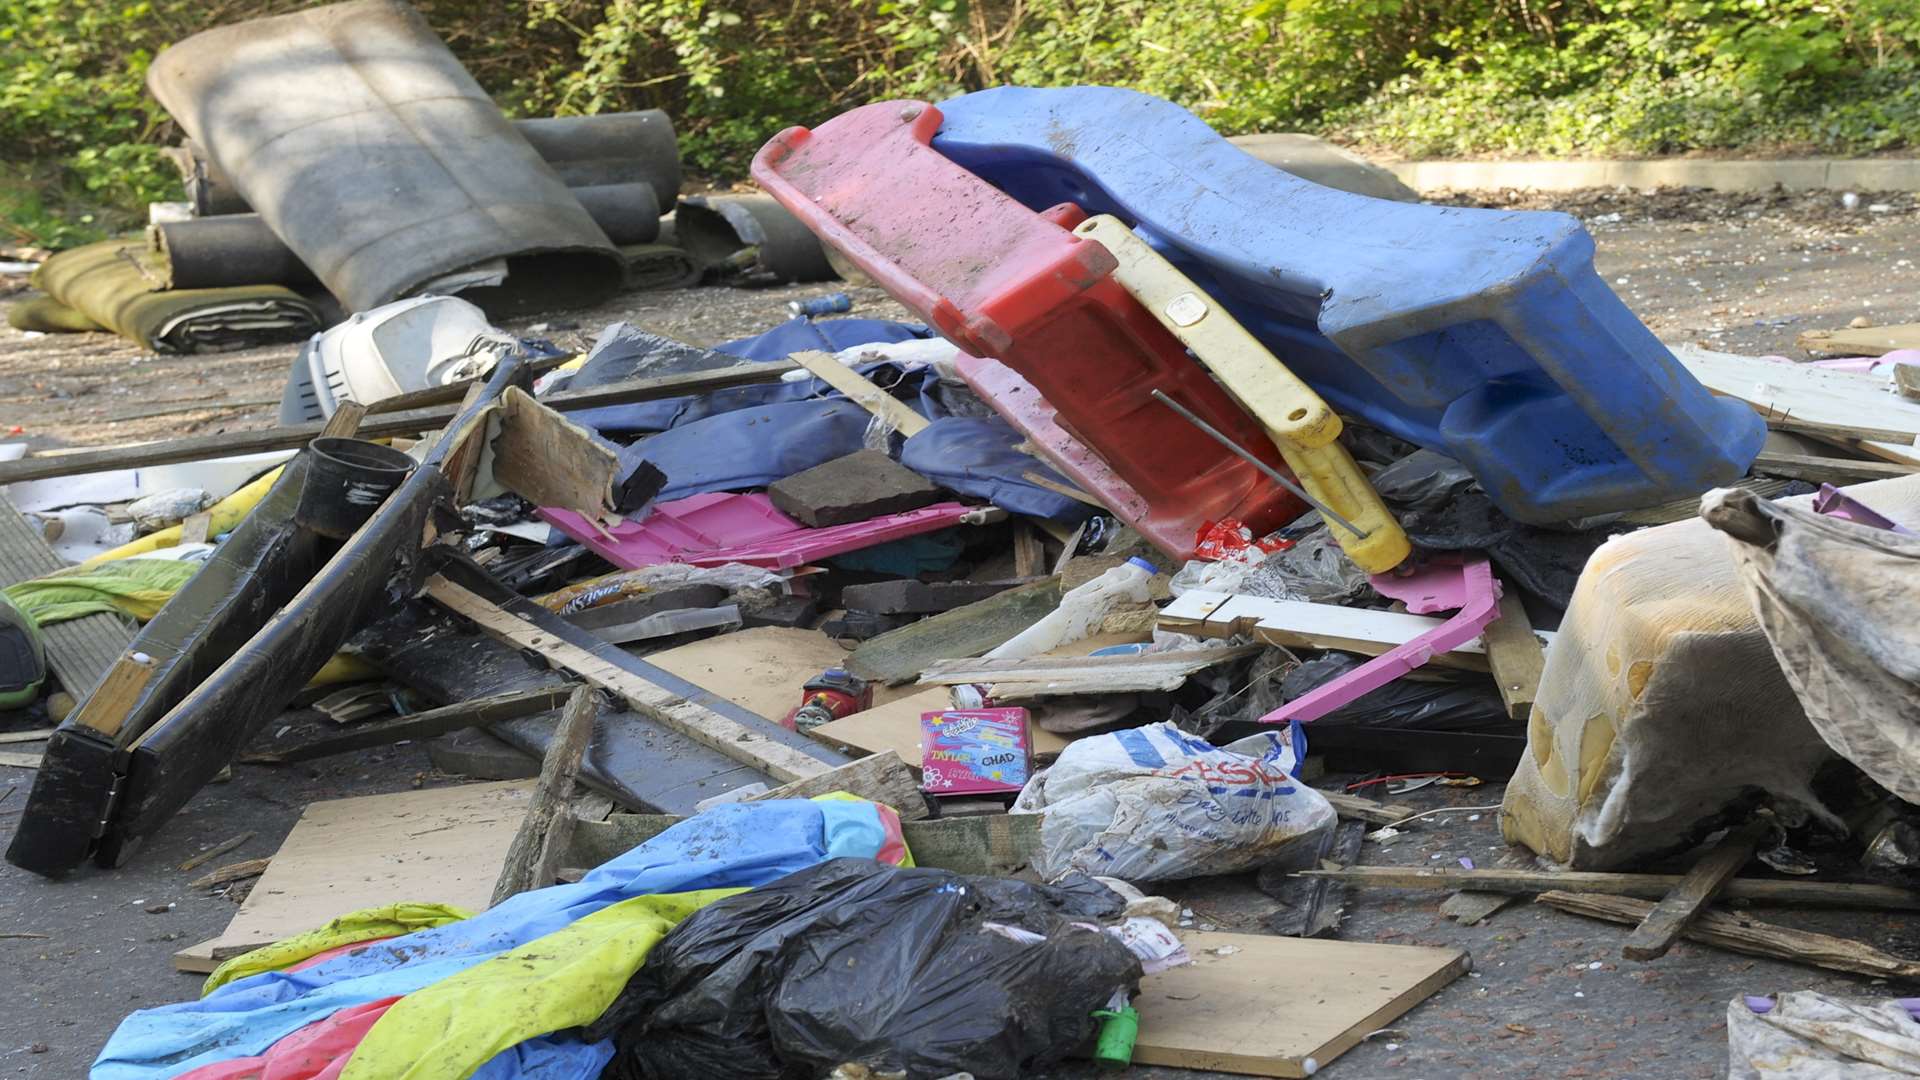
896	726
1280	1006
760	670
442	845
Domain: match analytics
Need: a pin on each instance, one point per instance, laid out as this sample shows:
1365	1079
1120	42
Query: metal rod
1272	473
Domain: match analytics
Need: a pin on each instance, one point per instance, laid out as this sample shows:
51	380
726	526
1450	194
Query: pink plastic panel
709	530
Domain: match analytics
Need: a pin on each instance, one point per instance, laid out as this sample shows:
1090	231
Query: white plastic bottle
1081	610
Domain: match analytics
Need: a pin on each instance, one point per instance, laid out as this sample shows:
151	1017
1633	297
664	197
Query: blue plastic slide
1481	334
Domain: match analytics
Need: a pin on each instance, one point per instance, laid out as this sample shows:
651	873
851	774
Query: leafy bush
1415	77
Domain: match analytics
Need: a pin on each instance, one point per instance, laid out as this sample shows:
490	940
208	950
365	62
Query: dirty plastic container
1001	281
347	480
1081	610
1484	335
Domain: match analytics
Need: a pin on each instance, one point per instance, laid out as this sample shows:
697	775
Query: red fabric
315	1052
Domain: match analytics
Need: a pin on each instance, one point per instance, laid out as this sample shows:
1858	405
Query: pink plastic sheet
1469	586
718	528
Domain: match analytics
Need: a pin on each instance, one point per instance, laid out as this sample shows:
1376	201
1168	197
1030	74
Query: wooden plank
1743	934
1869	341
999	844
1843	433
439	844
1061	489
1697	888
1367	810
1045	676
862	392
1806	393
900	655
216	851
12	759
882	778
36	735
1689	507
240	871
1260	1005
1471	907
105	710
1029	557
1828	470
1298	624
345	421
695	721
895	727
1759	890
550	461
380	425
1515	655
306	745
760	670
533	857
79	651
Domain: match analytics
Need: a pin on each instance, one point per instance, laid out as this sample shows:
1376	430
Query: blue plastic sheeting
732	845
976	456
794	335
826	335
1484	335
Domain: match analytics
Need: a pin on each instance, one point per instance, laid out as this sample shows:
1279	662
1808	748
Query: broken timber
322	741
1045	676
378	425
881	778
533	858
1515	655
996	844
900	655
1652	938
740	735
1738	933
1299	624
1758	890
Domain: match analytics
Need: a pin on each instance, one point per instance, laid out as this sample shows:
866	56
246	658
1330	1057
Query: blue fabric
750	448
794	335
732	845
1484	335
975	456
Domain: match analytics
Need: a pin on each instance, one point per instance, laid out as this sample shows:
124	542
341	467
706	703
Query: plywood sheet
1280	1006
1871	341
442	845
762	669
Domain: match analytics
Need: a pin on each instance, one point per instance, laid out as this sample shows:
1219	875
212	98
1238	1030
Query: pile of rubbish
870	677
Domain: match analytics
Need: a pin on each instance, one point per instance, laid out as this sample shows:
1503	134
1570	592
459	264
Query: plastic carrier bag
1155	803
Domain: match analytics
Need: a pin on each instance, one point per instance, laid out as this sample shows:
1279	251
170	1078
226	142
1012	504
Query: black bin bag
920	971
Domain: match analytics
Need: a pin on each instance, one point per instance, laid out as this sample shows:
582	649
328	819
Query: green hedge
1415	77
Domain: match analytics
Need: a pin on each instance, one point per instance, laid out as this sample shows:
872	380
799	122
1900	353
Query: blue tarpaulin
732	845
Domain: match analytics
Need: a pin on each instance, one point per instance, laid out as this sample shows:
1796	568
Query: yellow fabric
391	920
137	587
566	979
345	668
225	515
